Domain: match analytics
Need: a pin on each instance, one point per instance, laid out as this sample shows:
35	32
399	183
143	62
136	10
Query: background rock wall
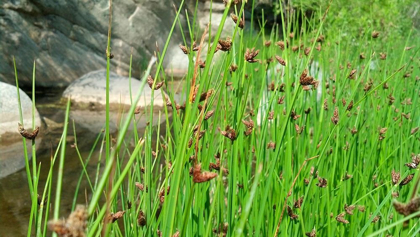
67	38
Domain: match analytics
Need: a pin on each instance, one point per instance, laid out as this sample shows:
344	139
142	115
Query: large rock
68	38
11	146
88	95
9	111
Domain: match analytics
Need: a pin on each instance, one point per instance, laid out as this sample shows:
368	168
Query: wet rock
11	146
88	96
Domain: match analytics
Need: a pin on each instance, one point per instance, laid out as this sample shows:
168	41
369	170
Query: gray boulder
11	146
68	38
9	111
88	96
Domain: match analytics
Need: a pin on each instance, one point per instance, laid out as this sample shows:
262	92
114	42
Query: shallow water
15	202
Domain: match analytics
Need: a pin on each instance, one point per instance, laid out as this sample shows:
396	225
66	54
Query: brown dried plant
28	135
340	218
235	19
199	176
74	226
250	55
115	216
224	45
150	82
229	133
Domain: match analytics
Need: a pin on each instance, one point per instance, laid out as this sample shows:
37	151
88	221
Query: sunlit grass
288	154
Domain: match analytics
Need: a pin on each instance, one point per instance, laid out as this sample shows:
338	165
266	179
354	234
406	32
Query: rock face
9	111
68	38
88	95
11	147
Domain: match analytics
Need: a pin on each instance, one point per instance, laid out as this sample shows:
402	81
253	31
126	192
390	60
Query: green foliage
352	19
305	142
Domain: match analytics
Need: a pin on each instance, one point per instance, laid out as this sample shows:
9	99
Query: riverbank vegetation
308	129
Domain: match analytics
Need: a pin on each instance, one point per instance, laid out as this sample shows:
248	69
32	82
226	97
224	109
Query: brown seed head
293	115
407	209
75	225
233	68
28	135
280	44
115	216
209	114
184	49
235	19
298	203
307	51
281	60
229	133
349	209
375	34
335	118
150	82
250	55
375	219
200	176
395	177
320	38
352	74
322	183
271	145
140	186
415	160
292	215
382	56
407	180
292	35
340	218
141	219
224	45
312	233
195	47
350	106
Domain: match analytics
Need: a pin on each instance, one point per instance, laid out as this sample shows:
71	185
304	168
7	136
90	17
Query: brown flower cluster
200	176
75	225
150	82
249	126
229	133
141	219
415	160
281	60
28	135
224	45
217	166
250	55
306	81
292	215
113	217
335	118
235	19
